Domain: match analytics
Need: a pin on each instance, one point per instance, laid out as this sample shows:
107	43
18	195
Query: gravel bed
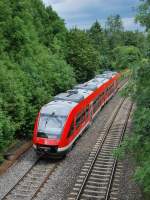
63	179
16	171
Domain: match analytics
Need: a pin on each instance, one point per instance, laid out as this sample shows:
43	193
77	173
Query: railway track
97	175
31	183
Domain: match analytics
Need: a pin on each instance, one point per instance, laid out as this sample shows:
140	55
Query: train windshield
49	123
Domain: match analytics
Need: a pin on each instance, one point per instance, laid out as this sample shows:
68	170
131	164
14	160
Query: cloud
129	24
84	12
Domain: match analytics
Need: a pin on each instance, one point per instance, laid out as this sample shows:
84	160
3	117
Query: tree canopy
32	64
82	55
125	56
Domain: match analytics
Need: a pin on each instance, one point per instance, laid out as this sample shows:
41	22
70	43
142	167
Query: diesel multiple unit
60	122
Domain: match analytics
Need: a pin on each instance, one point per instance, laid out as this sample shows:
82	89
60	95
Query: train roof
110	72
107	74
99	81
82	92
58	108
87	86
64	102
70	96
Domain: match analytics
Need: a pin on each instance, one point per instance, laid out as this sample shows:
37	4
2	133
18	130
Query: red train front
60	122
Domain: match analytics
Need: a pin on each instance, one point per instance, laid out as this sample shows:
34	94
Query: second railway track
31	183
96	177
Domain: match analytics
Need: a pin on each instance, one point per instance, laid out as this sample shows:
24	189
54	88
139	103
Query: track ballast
28	187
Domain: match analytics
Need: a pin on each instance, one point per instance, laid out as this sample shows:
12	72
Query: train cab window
71	129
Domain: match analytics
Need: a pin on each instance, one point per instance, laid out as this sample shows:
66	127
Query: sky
82	13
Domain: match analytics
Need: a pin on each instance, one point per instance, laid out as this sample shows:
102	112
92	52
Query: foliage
99	40
82	55
114	31
125	56
139	143
136	39
114	24
97	35
142	127
32	64
143	15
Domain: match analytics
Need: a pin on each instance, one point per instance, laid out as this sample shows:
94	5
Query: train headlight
34	146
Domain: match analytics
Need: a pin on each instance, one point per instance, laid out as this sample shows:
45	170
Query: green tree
82	55
135	38
141	148
114	31
125	56
100	43
96	34
143	15
147	45
139	143
114	24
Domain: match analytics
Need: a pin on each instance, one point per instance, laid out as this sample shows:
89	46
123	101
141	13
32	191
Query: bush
139	144
125	56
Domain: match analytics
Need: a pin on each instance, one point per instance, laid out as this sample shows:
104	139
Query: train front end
48	129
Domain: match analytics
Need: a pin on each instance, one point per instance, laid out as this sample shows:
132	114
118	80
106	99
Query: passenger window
96	104
102	95
87	111
71	129
80	119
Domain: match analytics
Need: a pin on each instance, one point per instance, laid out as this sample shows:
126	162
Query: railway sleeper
112	142
96	187
92	197
105	162
94	191
96	183
19	195
99	180
100	176
106	165
100	171
105	158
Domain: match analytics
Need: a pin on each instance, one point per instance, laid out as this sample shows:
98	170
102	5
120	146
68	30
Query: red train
60	122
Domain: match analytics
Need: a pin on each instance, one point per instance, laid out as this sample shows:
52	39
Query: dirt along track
65	164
